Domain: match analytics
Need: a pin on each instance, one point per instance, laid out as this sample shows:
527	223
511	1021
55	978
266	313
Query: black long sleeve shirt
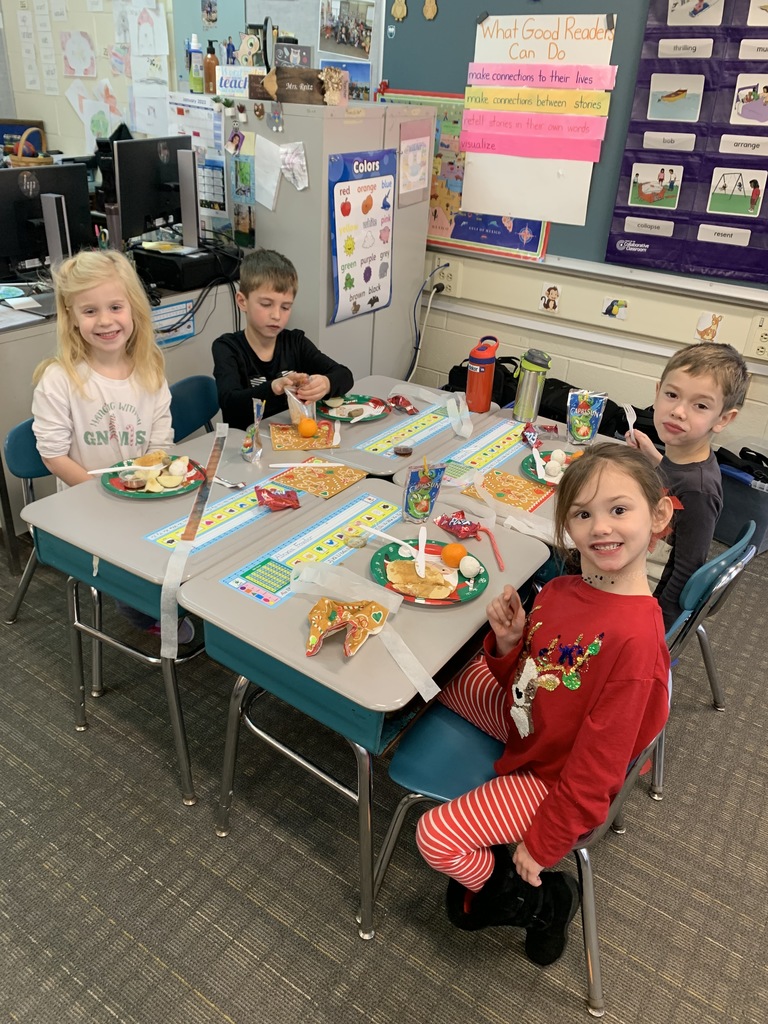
241	376
699	486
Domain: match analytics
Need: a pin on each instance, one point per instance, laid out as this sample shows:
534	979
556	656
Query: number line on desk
267	578
222	518
414	430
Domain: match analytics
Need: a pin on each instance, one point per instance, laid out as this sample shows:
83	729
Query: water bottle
482	363
530	385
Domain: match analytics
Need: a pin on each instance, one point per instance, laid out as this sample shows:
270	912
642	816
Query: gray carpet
118	904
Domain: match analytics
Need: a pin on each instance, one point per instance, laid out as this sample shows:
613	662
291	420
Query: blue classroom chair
194	403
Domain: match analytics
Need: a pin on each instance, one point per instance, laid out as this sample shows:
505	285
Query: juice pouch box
584	413
422	487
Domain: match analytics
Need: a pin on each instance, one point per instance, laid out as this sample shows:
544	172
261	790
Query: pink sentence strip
587	150
550	76
550	126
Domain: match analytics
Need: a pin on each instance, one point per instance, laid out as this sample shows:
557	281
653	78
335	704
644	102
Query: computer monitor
147	182
23	245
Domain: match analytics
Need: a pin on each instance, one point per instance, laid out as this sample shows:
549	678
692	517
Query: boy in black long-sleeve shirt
265	358
701	390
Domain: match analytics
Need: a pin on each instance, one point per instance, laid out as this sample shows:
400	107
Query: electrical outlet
449	275
757	343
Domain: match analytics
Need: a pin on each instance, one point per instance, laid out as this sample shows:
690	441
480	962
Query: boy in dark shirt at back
265	358
701	391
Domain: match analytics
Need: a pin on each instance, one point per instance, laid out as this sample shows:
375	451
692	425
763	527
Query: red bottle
482	363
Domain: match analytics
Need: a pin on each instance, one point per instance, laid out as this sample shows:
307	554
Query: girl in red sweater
575	691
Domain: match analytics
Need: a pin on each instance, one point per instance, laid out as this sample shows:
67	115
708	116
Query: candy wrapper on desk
275	500
252	447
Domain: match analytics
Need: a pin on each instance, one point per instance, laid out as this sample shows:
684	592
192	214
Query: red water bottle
482	363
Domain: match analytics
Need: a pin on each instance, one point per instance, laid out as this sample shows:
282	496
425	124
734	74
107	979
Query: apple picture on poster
345	208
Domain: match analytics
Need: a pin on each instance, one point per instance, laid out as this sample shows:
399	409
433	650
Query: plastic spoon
406	550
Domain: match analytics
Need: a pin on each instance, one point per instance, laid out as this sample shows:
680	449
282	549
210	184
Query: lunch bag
504	379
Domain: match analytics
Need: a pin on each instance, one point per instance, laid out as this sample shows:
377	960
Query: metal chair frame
705	592
460	735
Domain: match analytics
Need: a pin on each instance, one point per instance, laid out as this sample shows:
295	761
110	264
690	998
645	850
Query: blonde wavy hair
86	270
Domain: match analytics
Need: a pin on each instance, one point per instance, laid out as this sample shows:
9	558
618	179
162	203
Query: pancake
402	576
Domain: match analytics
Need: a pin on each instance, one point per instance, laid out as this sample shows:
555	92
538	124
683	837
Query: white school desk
100	539
362	698
355	436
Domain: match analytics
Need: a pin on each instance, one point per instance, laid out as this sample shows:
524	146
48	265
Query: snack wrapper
252	447
403	404
299	410
584	413
276	500
531	436
458	524
422	487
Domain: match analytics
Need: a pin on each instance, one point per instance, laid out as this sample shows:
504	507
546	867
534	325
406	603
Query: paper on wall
148	31
512	186
50	79
267	165
59	10
96	121
151	108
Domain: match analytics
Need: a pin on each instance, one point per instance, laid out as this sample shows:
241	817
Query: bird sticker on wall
615	309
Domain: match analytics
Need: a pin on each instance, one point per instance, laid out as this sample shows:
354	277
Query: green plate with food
528	465
355	408
441	585
167	478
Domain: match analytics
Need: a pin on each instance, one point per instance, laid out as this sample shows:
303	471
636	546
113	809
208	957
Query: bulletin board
426	56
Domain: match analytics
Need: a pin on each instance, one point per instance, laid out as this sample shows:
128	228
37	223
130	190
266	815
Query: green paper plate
373	411
528	468
467	590
111	482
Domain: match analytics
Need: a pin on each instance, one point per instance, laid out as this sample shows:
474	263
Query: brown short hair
722	362
267	267
589	466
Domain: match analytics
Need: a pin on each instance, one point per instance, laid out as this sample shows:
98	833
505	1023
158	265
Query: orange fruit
307	427
452	554
576	455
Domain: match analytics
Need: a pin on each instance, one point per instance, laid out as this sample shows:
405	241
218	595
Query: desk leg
76	654
97	654
365	839
231	741
179	733
9	533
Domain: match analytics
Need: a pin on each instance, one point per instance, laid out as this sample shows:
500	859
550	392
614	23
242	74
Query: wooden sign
288	85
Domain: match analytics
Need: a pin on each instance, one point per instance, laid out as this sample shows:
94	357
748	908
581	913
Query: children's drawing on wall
758	13
708	326
675	97
79	55
750	100
655	184
210	12
346	27
694	13
736	192
550	298
615	309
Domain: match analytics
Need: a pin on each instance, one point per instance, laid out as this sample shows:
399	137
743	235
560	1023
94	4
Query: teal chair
704	594
443	756
23	460
194	403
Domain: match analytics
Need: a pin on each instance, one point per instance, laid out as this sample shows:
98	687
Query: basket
30	161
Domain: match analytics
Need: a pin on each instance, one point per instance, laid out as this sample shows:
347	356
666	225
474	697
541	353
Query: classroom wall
63	126
624	358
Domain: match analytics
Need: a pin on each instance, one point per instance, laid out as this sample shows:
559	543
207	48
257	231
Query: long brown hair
86	270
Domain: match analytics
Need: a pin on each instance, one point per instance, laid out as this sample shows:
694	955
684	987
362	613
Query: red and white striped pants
455	837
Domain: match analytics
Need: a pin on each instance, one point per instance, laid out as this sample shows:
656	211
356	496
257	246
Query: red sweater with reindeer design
588	686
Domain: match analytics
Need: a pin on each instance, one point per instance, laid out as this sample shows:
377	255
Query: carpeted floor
118	904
